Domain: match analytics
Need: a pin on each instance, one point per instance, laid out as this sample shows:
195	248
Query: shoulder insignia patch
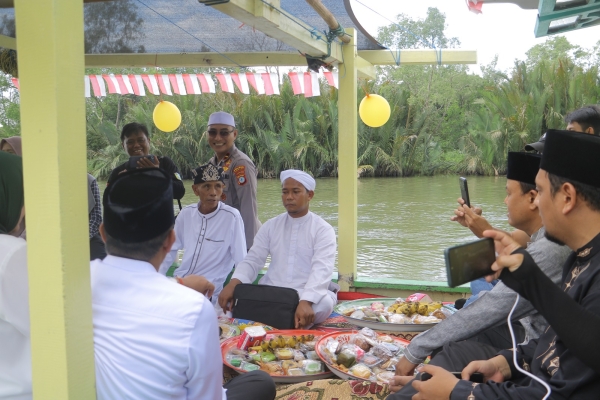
226	165
240	174
177	176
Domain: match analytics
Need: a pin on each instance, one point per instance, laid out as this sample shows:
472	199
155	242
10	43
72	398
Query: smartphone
476	377
132	164
469	261
464	190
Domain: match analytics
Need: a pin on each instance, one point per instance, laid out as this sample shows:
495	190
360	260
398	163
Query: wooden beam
366	70
366	60
52	105
281	25
347	165
8	42
419	57
208	59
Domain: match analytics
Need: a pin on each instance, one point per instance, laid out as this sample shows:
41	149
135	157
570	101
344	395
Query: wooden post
50	55
347	154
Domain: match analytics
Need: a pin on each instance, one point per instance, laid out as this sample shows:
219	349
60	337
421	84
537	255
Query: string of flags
306	83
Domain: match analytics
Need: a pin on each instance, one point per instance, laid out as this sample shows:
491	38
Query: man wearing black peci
565	358
136	142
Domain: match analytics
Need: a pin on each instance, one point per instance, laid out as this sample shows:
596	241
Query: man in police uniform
239	171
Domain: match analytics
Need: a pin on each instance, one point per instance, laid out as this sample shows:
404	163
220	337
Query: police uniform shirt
240	189
153	338
302	255
213	243
164	163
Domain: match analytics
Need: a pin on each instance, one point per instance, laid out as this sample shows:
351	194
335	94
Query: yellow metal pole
51	67
347	153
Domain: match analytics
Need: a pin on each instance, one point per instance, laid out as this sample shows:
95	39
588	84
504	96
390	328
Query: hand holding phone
470	261
133	161
476	377
464	190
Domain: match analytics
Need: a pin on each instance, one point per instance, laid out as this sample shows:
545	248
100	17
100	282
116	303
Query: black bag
270	305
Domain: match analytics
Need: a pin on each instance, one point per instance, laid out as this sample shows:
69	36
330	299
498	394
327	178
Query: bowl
344	337
232	342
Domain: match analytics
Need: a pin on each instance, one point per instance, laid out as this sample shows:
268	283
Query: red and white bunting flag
311	84
475	6
178	84
332	78
124	84
191	83
256	81
271	83
241	82
163	84
113	85
151	84
15	81
226	82
207	83
98	85
137	85
86	85
297	82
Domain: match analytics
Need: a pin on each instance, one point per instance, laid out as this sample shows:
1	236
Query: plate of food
394	314
233	327
364	354
289	356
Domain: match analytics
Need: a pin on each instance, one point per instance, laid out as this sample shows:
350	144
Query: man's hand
440	385
145	162
495	369
398	382
459	215
505	246
405	367
226	295
476	223
305	315
199	284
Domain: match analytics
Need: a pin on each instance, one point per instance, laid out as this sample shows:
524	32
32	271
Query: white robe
213	244
302	256
153	338
15	344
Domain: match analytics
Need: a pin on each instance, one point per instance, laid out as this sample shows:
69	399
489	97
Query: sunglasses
222	133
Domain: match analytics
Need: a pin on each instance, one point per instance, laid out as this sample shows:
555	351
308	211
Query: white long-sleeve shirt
153	338
302	255
15	344
213	244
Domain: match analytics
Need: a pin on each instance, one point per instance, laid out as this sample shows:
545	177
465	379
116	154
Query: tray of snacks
289	356
394	315
363	354
232	327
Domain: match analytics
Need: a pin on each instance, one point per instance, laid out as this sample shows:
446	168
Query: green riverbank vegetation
445	119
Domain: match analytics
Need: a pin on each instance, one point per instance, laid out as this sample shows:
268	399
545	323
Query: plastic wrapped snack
312	355
361	342
287	365
284	354
371	361
358	314
382	352
313	367
295	372
246	366
347	358
267	356
400	319
385	377
272	368
299	356
361	371
419	319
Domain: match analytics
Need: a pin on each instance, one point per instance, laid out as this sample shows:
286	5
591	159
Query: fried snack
271	368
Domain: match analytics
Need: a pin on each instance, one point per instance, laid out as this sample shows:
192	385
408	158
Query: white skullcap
305	179
221	117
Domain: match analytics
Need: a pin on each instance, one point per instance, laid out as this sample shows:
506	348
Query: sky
503	29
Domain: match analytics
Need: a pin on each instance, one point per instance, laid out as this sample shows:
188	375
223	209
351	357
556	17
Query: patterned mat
332	389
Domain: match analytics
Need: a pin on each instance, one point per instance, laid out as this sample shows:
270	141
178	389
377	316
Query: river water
403	223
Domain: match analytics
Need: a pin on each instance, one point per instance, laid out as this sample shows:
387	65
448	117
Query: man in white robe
210	232
154	338
302	248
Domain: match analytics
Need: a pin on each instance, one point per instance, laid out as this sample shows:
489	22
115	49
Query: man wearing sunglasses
238	170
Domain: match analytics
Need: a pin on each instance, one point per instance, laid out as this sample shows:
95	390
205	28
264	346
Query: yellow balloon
166	116
374	110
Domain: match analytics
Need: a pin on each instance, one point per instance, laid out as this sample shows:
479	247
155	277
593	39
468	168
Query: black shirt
164	163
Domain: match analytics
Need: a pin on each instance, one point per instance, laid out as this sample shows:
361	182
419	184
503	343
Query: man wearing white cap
239	171
302	248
